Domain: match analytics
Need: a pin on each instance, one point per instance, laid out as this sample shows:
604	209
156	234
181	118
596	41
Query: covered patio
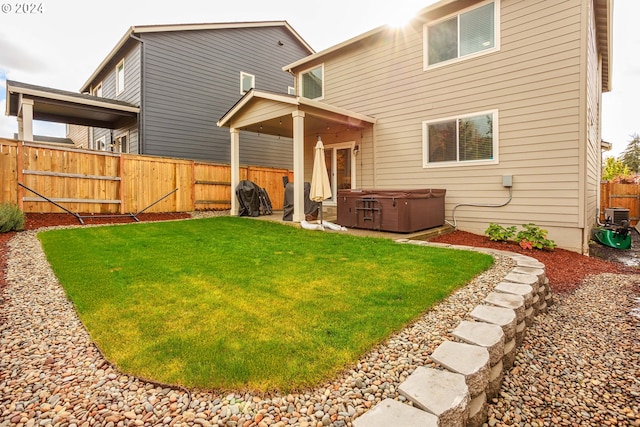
298	118
30	102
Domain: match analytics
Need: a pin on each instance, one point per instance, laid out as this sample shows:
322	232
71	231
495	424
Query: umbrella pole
321	215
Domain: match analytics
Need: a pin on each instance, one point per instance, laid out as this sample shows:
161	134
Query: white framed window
291	90
312	82
463	140
247	82
97	91
120	77
101	143
119	144
473	31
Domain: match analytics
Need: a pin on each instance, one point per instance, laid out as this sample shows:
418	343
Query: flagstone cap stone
484	335
525	291
445	394
538	272
472	361
524	279
390	412
512	301
503	317
527	261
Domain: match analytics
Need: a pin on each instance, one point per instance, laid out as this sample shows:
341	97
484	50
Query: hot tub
399	211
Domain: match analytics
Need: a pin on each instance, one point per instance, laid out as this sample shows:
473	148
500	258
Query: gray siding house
184	77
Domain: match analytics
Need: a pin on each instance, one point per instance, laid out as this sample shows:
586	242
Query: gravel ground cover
578	366
580	363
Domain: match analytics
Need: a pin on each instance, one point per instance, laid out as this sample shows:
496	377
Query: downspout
142	80
507	181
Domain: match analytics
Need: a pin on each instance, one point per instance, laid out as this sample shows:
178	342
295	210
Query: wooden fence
614	195
107	183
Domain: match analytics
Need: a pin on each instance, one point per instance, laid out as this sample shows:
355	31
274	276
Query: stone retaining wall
471	369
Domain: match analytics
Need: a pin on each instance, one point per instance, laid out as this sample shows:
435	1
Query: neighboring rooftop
128	38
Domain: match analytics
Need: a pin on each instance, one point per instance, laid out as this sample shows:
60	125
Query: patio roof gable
271	113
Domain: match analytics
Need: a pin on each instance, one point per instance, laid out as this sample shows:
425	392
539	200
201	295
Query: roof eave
13	89
219	26
127	36
289	68
336	110
225	120
187	27
607	49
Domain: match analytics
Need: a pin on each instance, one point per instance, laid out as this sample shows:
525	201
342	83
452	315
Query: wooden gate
615	195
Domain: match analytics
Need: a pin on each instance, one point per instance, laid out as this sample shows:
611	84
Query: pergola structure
30	102
287	116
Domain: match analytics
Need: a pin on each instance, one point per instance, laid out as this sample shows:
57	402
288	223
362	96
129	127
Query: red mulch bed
565	269
38	220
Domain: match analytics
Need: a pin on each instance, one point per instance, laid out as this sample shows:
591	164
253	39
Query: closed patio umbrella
320	185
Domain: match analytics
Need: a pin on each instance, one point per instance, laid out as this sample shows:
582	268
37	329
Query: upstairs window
464	139
312	82
247	82
120	77
471	32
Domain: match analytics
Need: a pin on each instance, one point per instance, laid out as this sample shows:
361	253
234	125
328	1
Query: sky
60	43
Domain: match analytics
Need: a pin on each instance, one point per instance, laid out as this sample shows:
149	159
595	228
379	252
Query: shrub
498	233
530	237
11	218
534	237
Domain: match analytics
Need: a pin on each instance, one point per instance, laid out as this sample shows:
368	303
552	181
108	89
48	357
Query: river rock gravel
578	365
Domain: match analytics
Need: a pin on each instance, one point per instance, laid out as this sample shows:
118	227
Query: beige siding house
468	93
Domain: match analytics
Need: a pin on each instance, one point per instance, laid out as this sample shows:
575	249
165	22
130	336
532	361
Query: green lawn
226	303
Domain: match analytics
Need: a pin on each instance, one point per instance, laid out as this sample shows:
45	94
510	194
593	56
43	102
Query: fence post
121	184
19	174
193	186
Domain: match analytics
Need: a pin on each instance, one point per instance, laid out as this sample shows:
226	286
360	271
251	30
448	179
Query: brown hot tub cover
400	211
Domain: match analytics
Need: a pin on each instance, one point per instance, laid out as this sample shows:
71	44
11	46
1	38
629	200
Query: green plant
225	303
614	168
534	237
499	233
11	218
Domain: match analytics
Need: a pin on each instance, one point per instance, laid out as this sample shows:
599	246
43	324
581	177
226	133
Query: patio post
235	168
298	166
25	112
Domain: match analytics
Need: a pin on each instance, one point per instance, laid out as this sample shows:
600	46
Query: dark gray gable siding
192	78
132	76
131	93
